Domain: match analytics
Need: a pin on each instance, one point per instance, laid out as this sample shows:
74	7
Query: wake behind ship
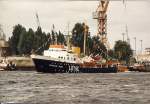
57	59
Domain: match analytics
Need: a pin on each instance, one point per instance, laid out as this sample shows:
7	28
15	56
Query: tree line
93	44
121	51
24	42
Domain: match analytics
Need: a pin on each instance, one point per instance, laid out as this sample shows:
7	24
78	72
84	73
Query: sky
61	12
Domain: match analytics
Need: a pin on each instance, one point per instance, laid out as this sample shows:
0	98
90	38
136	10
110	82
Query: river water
113	88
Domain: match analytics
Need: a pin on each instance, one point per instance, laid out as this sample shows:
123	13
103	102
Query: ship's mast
68	37
128	39
85	36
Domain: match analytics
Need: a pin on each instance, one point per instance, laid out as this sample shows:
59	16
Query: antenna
141	46
123	36
135	44
128	39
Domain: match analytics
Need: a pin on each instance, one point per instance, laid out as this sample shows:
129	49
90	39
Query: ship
142	62
57	59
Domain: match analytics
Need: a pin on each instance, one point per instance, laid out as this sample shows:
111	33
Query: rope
44	45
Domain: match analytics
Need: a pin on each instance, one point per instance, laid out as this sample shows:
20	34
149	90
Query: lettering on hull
73	68
56	66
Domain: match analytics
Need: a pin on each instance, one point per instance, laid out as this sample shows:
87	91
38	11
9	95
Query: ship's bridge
60	52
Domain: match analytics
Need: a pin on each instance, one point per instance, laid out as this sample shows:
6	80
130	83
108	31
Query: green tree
37	38
25	44
14	39
53	37
29	41
60	38
111	54
49	40
89	44
99	47
40	40
93	44
21	44
123	51
78	35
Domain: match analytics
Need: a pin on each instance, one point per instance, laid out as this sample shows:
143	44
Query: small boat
7	65
11	66
3	64
57	59
137	67
120	67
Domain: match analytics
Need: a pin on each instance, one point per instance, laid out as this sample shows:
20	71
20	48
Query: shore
26	64
22	63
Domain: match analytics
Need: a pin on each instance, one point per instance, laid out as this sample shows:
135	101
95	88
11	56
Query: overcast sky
60	12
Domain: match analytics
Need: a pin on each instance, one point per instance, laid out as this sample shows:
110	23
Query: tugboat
57	59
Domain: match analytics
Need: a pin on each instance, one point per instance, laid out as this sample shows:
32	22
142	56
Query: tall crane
101	17
37	20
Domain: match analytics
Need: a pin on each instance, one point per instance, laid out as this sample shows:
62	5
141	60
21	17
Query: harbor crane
37	20
101	17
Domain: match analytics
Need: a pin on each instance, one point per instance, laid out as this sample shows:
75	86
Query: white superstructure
144	57
59	52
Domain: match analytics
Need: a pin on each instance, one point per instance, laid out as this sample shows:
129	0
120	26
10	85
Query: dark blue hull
50	66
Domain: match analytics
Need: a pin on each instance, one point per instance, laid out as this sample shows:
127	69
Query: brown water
32	87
